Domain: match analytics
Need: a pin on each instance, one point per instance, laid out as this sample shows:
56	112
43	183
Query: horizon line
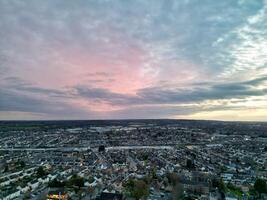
130	119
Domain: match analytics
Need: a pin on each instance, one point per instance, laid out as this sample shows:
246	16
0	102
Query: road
87	148
138	147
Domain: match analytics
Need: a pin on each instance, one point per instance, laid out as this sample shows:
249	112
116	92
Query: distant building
58	194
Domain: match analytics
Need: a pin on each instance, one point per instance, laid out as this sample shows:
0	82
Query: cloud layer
133	59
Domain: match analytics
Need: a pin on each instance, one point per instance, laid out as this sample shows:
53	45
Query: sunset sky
101	59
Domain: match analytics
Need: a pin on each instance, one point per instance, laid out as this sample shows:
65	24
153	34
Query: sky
101	59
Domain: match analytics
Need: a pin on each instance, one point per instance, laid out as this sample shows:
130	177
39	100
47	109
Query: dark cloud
17	102
105	95
256	81
20	85
163	111
100	74
158	102
202	93
159	95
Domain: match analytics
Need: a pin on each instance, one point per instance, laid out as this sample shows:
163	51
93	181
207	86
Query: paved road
47	149
138	147
86	148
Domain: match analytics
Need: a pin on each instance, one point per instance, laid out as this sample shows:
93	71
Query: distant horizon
201	60
137	119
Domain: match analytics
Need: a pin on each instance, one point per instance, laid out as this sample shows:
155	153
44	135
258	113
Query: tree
218	183
140	189
260	186
173	178
237	191
221	186
178	192
91	179
56	183
137	189
76	181
40	172
153	173
20	164
6	168
190	164
177	187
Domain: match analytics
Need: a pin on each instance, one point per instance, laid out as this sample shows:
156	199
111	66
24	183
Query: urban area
133	159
